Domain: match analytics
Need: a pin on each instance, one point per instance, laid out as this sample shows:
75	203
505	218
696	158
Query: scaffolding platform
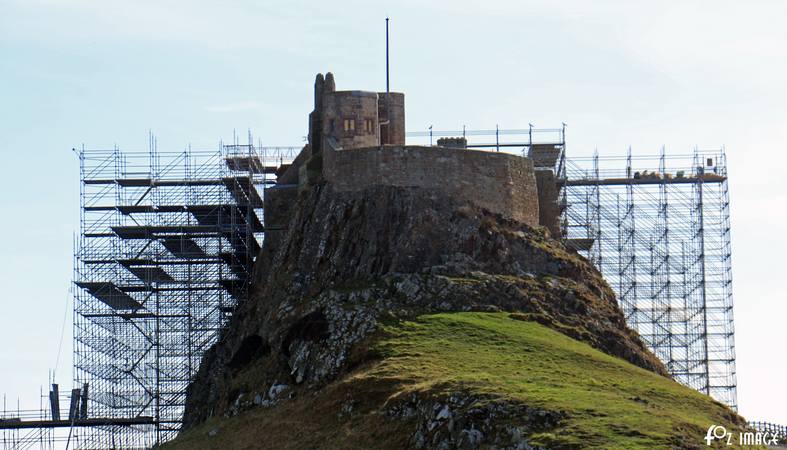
252	164
148	271
15	424
162	231
184	248
150	182
149	209
705	178
110	295
215	215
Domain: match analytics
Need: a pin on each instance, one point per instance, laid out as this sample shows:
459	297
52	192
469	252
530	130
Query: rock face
351	260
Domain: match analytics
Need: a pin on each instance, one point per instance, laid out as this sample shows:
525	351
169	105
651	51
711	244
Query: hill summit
402	317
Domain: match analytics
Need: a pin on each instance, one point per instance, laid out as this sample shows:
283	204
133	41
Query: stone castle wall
549	208
502	183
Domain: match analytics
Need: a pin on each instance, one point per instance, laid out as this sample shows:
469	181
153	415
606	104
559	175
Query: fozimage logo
718	432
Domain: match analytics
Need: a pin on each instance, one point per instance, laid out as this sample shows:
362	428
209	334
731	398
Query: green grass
611	403
495	357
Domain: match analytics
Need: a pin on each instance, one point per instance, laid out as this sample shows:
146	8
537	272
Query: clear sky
644	74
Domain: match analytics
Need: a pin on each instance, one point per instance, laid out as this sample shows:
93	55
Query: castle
357	140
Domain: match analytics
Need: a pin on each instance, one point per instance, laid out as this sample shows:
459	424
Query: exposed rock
349	260
276	390
475	421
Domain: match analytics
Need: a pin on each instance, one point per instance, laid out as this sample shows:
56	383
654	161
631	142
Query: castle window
368	125
349	124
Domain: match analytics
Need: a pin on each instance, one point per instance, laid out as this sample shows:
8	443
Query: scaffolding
59	421
658	228
14	435
774	430
165	252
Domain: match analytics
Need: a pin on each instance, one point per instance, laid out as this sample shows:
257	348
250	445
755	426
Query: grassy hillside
496	359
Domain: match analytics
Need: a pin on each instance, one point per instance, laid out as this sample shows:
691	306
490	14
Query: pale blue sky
634	73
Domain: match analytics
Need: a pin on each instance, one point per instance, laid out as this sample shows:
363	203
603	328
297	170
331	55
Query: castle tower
354	119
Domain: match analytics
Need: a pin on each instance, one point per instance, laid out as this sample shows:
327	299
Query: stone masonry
357	140
501	183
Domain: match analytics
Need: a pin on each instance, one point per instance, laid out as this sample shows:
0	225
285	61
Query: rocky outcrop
350	260
462	421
